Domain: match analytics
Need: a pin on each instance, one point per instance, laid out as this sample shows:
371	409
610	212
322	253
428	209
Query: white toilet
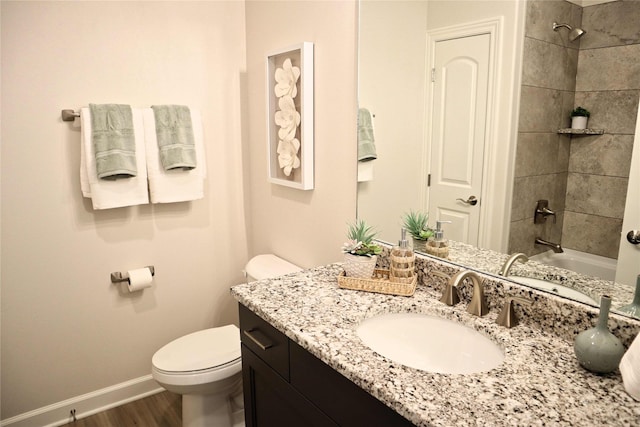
205	366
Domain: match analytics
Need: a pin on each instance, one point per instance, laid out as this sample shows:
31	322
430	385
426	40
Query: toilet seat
200	357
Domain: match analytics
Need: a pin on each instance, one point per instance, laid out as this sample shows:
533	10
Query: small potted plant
360	252
579	118
416	225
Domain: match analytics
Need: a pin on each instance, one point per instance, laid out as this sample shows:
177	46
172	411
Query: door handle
634	237
470	201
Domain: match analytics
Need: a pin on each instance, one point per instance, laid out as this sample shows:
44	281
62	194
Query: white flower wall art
287	80
288	119
290	110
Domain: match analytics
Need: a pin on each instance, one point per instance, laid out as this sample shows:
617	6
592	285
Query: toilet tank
266	266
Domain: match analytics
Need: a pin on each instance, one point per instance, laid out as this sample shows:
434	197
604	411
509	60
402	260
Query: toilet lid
200	350
266	266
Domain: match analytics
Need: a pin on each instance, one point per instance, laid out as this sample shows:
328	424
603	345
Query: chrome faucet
555	246
504	271
478	305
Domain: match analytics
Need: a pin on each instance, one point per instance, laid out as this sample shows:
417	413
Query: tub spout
555	246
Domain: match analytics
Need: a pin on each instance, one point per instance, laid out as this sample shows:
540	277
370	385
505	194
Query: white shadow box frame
288	139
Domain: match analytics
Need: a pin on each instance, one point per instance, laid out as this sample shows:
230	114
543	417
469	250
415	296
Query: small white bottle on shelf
402	261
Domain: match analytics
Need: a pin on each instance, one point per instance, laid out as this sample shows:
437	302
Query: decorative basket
402	269
442	252
379	283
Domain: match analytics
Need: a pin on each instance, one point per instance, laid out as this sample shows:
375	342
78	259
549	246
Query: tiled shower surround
584	177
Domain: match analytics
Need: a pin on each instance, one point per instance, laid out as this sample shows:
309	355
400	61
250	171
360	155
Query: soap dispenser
438	245
402	261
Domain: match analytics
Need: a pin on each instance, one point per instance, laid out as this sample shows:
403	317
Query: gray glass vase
633	309
597	349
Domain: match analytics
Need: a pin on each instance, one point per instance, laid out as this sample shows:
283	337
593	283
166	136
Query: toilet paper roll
139	279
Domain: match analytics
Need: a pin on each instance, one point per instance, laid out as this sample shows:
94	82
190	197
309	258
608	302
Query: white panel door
629	254
459	111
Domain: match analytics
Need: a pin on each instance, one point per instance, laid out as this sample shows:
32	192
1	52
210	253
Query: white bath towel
174	185
630	369
365	171
108	194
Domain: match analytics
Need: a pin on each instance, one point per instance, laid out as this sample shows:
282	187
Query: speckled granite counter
539	383
489	261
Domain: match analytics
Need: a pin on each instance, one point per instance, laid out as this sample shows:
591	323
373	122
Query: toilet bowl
205	367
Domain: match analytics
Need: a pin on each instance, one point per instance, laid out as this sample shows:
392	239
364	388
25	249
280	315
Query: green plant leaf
579	111
416	223
359	231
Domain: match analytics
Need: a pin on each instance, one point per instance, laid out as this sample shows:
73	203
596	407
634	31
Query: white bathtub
580	262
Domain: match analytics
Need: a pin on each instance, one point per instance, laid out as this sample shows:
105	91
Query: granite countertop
539	383
490	261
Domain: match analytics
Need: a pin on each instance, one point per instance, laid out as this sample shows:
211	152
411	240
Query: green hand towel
113	140
174	132
366	140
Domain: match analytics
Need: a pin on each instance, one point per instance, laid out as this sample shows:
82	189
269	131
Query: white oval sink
430	343
559	290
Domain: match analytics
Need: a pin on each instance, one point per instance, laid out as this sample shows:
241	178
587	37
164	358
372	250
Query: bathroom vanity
285	385
303	363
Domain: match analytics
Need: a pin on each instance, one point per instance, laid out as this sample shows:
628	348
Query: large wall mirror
533	77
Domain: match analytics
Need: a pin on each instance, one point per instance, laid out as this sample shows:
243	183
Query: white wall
305	227
66	330
391	84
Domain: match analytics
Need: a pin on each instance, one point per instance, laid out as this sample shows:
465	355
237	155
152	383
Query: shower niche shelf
581	131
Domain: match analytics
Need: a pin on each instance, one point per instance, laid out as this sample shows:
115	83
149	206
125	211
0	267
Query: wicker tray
379	283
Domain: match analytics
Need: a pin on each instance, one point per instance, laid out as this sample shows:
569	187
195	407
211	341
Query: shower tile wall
608	85
584	177
542	156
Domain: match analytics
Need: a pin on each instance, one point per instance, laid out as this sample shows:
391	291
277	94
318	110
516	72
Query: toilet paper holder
119	276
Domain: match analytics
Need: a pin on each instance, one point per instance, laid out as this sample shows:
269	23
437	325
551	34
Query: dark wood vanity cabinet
285	385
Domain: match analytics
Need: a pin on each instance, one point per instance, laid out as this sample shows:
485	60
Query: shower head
574	33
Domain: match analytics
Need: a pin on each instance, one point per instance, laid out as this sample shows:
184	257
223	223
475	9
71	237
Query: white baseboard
59	413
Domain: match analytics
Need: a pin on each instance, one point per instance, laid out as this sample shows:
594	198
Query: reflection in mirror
583	177
559	278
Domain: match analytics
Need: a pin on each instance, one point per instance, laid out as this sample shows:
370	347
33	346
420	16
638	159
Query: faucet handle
450	295
542	212
507	316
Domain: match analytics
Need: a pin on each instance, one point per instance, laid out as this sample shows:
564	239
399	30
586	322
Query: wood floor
159	410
